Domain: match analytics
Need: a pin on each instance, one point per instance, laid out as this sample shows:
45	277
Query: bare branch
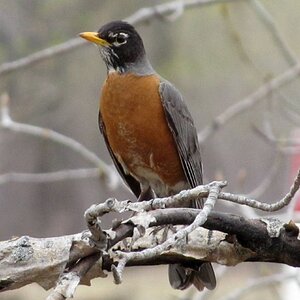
162	10
45	133
38	255
7	123
113	205
26	260
67	283
50	176
201	191
264	206
141	16
241	106
40	56
271	26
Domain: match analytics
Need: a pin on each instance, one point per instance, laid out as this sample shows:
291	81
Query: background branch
141	16
279	39
50	176
103	169
243	105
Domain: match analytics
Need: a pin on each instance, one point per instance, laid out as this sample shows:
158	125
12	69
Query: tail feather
181	278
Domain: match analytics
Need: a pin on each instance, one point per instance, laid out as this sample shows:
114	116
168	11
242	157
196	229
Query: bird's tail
181	277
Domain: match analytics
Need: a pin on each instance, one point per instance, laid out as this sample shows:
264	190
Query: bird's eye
120	39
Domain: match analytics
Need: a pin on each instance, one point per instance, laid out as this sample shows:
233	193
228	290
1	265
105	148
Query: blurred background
216	55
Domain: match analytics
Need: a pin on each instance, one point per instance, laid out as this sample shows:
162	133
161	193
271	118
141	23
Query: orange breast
137	130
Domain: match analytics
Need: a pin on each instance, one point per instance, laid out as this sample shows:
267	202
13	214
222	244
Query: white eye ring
120	38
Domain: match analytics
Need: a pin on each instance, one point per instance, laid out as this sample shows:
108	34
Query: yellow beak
94	38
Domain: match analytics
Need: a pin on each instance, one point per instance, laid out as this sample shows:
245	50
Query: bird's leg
146	194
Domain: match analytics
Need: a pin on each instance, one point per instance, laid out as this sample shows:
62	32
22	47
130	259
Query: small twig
39	56
118	271
68	282
98	236
249	101
7	123
113	205
50	176
148	13
239	199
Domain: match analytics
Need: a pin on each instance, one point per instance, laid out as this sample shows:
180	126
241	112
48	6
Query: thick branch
26	260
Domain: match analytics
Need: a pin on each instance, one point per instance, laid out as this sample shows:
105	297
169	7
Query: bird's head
121	47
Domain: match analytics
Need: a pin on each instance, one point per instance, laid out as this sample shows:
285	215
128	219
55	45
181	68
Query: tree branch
141	16
26	260
45	133
71	260
241	106
50	176
6	122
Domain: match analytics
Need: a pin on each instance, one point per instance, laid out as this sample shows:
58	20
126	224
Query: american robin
148	131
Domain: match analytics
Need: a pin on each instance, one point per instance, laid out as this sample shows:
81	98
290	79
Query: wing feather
184	132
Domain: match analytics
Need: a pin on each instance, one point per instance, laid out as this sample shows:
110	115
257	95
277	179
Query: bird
149	131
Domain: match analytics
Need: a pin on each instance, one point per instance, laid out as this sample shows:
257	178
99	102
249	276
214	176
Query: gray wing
132	183
184	132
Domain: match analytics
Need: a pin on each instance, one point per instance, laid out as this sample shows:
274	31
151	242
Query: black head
119	43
